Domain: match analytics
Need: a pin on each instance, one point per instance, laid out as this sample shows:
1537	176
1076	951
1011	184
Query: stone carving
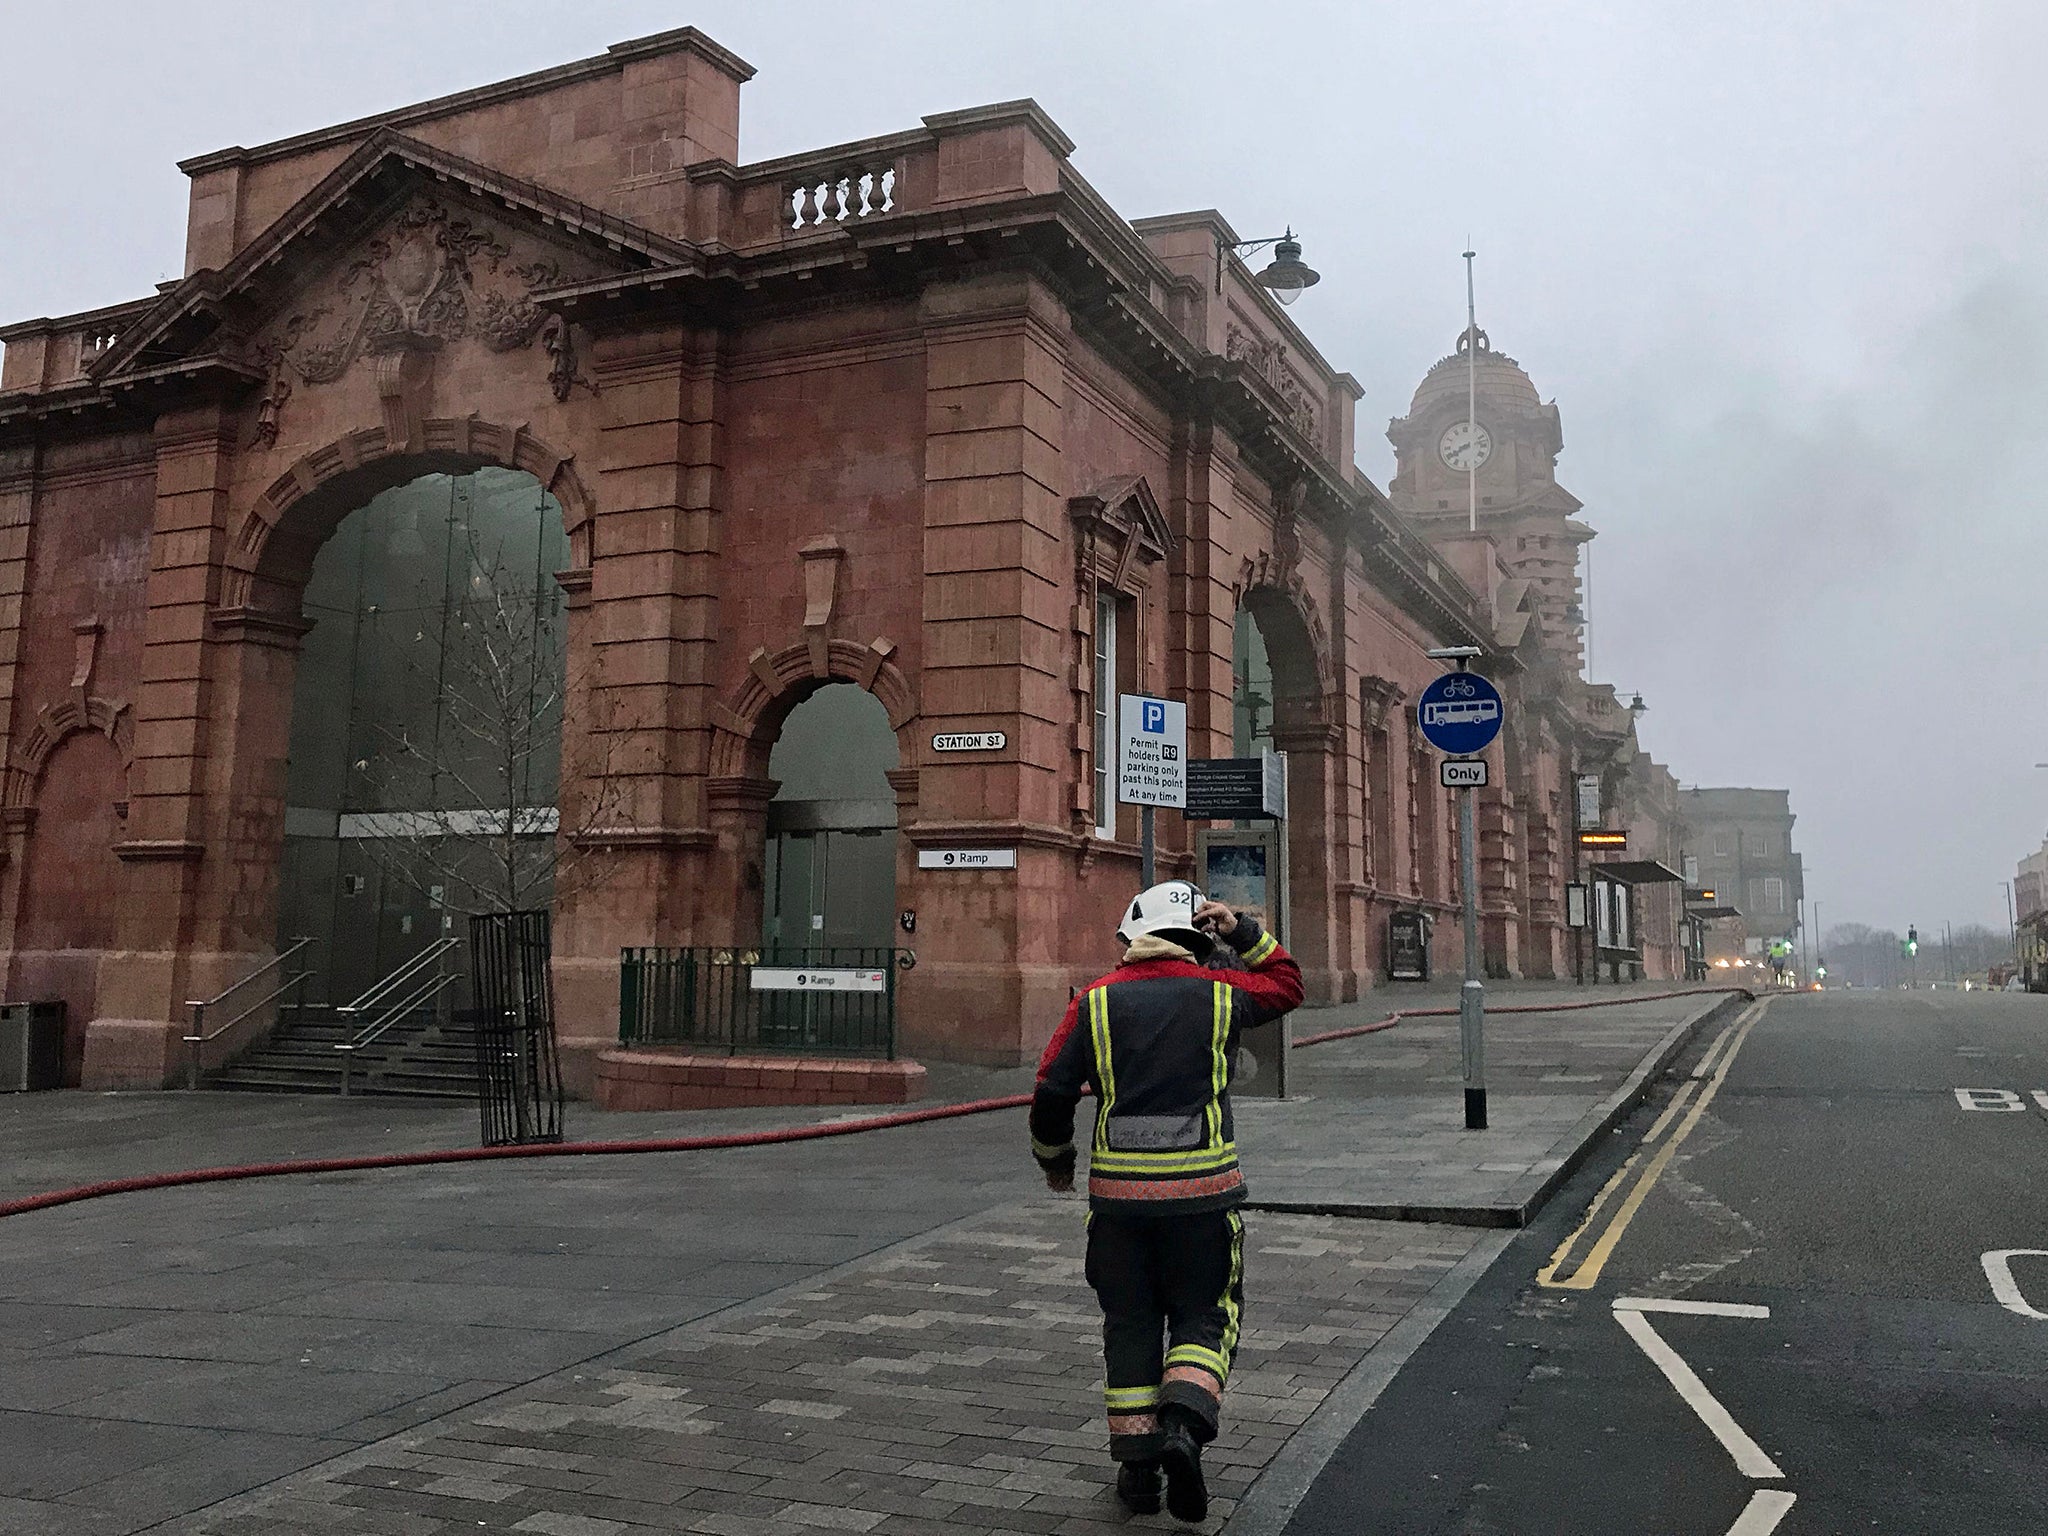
1287	530
430	277
1300	414
268	409
1268	359
1380	698
560	347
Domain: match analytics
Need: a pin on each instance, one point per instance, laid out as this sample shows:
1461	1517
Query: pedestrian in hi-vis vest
1155	1039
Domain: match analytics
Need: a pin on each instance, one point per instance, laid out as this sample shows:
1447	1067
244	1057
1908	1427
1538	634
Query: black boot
1180	1454
1137	1486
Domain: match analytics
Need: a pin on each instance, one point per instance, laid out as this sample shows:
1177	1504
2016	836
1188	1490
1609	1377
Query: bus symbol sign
1460	714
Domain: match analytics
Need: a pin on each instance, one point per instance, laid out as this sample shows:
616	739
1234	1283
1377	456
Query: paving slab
1375	1125
951	1383
888	1332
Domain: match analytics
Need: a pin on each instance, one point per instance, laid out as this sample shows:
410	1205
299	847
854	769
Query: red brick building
918	427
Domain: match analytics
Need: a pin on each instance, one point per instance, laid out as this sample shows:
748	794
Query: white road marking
1998	1270
2041	1097
1691	1308
1995	1101
1767	1507
1750	1459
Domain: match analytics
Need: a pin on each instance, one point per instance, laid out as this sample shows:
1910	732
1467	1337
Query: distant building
1739	845
1519	546
2030	919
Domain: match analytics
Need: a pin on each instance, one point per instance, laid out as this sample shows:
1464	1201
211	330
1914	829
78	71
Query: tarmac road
1817	1193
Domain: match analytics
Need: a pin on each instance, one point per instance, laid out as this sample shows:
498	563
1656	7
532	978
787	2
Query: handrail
401	974
199	1036
411	989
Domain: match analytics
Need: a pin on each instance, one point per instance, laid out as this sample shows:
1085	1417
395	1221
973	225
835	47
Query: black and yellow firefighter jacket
1154	1039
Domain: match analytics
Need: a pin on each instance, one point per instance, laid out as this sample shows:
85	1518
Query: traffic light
1912	941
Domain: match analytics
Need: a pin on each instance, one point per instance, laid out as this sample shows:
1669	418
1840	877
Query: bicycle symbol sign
1460	713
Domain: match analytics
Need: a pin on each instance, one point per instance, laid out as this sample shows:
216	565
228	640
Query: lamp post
1284	277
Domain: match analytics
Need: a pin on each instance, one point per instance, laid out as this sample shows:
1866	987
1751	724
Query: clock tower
1513	442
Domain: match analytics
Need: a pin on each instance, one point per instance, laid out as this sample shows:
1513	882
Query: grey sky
1782	267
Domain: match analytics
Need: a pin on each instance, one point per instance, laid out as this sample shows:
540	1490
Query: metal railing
198	1037
815	1001
413	985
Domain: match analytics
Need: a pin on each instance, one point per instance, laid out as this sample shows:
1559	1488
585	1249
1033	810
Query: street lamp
1285	276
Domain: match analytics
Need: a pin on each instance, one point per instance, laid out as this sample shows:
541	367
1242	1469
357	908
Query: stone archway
274	541
55	721
1309	728
199	883
745	725
55	921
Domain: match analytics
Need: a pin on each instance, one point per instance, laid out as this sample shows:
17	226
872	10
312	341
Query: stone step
421	1057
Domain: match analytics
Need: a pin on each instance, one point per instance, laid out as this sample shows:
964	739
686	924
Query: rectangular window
1380	785
1723	845
1692	869
1105	714
1774	895
1425	850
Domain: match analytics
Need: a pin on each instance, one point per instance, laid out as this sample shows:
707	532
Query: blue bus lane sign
1460	714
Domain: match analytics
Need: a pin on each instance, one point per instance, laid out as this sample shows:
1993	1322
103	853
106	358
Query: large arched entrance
425	757
829	868
1278	706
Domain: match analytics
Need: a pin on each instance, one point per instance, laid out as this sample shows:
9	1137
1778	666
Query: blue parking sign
1460	714
1152	748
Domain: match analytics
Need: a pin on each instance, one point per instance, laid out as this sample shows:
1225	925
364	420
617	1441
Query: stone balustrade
843	193
95	342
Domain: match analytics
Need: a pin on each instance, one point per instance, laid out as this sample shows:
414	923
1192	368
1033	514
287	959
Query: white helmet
1166	908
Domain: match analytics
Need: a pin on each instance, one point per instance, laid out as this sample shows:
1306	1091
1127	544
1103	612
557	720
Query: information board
1238	788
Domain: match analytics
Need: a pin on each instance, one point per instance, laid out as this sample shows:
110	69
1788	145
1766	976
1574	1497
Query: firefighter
1154	1039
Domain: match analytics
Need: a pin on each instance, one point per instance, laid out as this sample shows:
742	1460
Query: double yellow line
1638	1177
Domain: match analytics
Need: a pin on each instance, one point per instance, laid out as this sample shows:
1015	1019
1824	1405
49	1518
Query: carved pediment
401	247
430	275
1126	505
1121	527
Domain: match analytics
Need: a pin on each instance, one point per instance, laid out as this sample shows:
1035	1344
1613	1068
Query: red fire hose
182	1177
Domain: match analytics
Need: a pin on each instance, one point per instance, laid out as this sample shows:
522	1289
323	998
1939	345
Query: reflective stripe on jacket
1154	1039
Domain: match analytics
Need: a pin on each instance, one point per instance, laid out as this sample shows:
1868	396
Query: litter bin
31	1046
1408	946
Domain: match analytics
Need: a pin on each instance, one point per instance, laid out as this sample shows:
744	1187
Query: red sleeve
1059	1036
1273	984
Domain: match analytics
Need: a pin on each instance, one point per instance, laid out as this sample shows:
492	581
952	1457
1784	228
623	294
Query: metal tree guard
519	1070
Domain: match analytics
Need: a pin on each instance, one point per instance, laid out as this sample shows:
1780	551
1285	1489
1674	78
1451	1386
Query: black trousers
1172	1295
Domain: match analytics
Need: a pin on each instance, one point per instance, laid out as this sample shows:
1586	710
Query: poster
1237	876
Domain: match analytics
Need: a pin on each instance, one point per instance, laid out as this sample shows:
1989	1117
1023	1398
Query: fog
1780	267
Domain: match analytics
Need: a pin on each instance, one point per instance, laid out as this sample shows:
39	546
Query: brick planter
679	1080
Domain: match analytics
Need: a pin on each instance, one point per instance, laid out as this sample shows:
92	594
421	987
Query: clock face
1465	445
